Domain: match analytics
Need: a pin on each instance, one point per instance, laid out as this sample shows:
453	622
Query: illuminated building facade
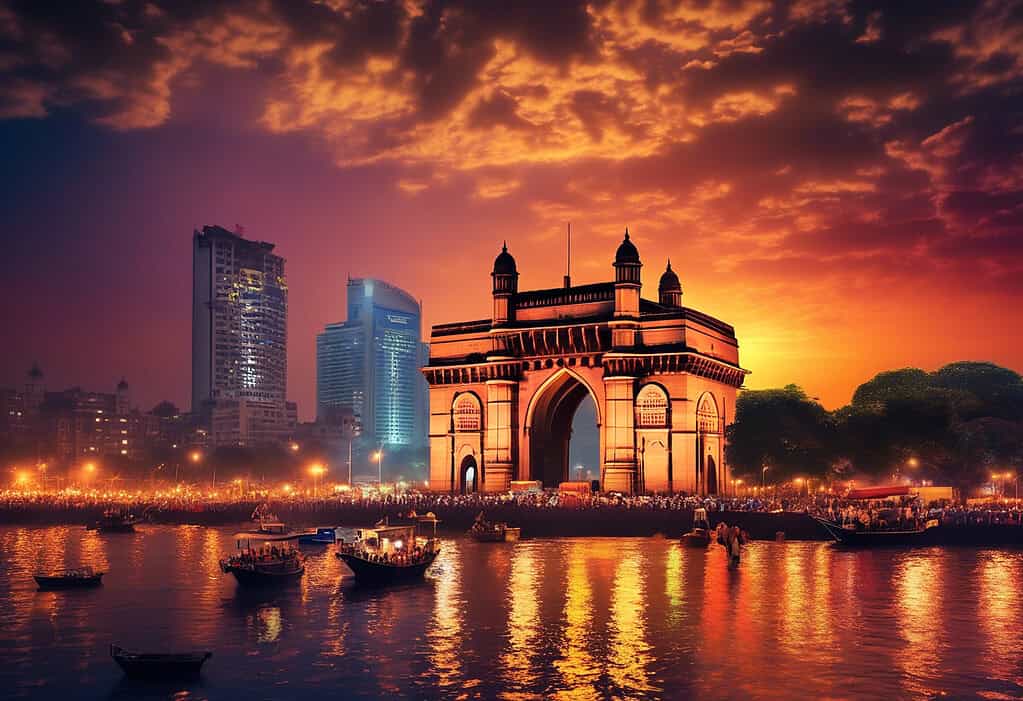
504	390
370	365
239	338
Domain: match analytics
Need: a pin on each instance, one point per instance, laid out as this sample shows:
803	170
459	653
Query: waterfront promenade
539	515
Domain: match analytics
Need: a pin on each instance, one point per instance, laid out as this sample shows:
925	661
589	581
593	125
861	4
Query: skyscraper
239	337
370	363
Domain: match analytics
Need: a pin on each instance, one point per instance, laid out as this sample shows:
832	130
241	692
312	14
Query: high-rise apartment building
239	338
370	364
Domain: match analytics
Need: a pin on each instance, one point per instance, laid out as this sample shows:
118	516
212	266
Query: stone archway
712	475
469	475
549	426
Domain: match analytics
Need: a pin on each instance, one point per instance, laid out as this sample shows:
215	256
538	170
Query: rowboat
144	665
78	578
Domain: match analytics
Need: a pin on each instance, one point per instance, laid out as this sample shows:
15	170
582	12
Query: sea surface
567	618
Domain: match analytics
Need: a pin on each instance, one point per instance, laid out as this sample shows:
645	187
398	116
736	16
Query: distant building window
651	408
707	415
467	413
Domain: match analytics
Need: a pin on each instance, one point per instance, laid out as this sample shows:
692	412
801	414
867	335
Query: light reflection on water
572	619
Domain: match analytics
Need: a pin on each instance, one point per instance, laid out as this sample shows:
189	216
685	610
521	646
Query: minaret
627	290
669	291
506	284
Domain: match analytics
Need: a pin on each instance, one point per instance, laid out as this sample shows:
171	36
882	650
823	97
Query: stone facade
503	391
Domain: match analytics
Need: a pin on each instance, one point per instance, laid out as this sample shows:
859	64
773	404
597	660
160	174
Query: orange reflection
523	617
578	670
674	582
445	635
998	612
919	606
630	652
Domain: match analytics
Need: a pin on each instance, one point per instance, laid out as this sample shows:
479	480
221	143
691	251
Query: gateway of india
503	390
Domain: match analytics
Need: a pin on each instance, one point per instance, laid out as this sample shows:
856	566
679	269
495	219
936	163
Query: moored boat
77	578
388	554
927	534
143	665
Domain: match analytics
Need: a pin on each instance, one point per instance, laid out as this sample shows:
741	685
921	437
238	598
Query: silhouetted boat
928	534
699	536
387	554
272	560
78	578
486	531
113	521
142	665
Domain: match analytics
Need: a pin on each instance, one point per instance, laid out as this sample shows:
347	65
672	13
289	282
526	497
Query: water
572	618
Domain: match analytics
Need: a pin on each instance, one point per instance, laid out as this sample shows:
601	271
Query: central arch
469	475
549	425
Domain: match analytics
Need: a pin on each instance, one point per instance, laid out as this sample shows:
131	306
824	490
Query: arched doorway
469	475
712	476
549	427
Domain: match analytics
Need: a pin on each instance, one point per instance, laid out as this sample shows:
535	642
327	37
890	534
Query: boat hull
149	666
53	583
259	578
378	573
696	539
880	538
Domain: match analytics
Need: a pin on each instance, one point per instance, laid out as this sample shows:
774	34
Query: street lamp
763	476
379	457
316	470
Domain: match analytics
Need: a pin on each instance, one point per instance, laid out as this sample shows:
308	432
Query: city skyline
843	218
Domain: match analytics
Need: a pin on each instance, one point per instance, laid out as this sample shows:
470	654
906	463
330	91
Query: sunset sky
842	182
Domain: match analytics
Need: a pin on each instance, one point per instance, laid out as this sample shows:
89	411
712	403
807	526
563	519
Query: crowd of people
268	555
18	506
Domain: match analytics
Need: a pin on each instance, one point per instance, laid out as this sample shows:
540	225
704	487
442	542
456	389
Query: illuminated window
651	408
467	413
707	415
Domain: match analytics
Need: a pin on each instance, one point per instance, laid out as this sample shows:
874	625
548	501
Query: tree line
956	425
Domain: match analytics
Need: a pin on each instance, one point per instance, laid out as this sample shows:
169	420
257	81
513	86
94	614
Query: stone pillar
441	441
499	446
619	469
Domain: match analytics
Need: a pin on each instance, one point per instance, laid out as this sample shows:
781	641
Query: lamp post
763	476
316	470
379	457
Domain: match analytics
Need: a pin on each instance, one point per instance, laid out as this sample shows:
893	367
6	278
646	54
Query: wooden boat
114	521
485	531
78	578
696	538
699	536
264	559
388	554
872	538
141	665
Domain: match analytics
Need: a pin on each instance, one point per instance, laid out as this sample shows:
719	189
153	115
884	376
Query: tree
782	429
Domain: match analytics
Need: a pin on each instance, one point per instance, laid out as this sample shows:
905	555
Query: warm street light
294	447
913	462
763	475
316	470
195	456
379	457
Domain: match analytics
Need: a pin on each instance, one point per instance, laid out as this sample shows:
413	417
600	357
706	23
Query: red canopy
878	492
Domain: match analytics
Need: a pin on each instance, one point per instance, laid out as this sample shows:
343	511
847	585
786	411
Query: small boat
264	559
322	536
388	554
142	665
485	531
878	537
699	535
78	578
114	521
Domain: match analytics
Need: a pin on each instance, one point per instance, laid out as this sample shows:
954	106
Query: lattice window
707	415
467	413
651	408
